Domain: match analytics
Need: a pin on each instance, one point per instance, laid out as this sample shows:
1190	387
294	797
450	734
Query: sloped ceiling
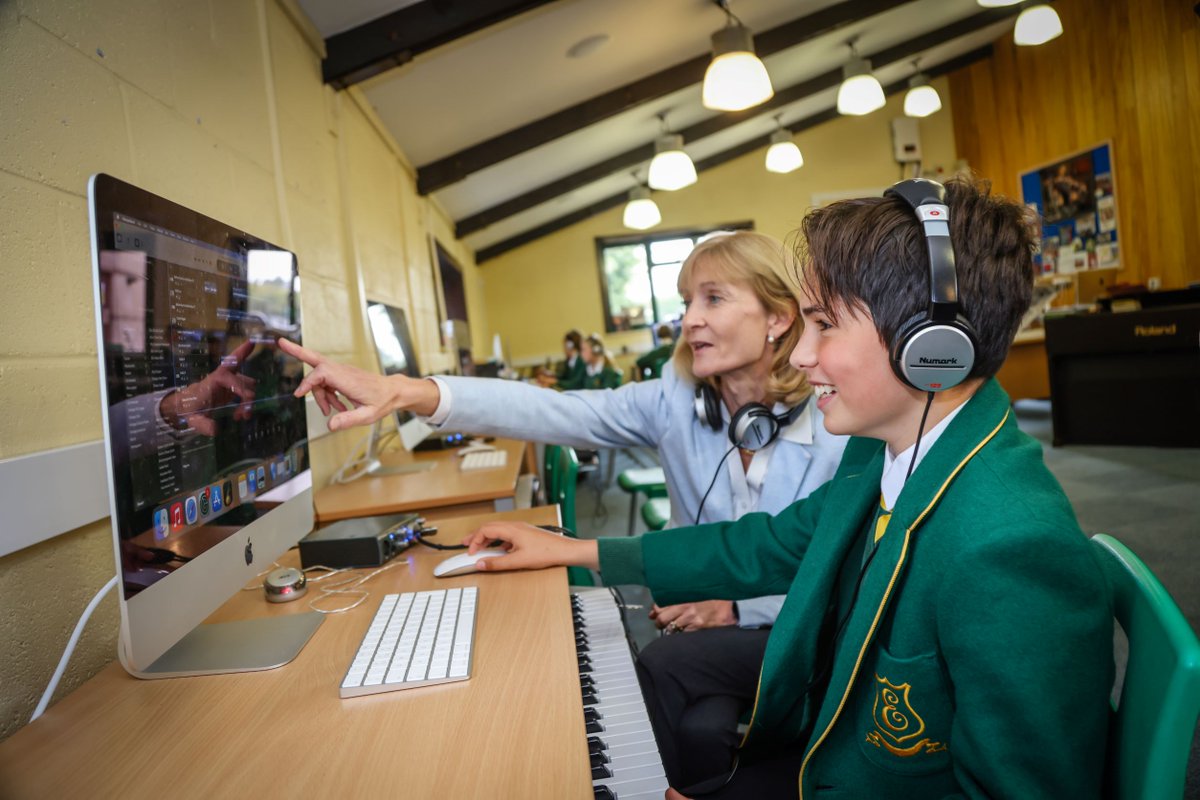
517	134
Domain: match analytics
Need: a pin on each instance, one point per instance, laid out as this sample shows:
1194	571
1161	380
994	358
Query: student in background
602	373
947	630
572	370
650	365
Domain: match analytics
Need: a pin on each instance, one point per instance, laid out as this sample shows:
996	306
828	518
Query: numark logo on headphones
937	361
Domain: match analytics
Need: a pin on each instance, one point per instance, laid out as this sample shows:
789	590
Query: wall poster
1075	197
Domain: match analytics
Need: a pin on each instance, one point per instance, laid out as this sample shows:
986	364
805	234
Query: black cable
917	447
713	483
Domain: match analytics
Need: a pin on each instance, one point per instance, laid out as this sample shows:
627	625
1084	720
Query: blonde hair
766	266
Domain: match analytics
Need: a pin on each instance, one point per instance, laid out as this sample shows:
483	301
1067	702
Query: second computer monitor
393	342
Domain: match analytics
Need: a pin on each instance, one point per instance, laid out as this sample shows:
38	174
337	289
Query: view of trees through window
640	276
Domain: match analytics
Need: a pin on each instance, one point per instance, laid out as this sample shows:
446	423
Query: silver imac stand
249	645
376	468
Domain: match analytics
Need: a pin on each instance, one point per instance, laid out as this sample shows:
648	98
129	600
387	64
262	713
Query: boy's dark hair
870	254
574	337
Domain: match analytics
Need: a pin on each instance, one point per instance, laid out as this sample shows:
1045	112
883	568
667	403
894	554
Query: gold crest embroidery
898	726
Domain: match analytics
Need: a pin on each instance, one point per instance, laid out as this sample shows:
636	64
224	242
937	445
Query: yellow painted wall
558	275
219	106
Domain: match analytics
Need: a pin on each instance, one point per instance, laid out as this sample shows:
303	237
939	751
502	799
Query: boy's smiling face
849	370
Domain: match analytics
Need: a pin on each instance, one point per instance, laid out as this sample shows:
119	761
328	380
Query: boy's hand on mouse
694	616
530	548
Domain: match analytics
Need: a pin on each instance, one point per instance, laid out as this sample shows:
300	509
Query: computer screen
393	342
206	446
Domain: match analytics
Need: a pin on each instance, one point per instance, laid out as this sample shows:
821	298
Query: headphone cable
917	447
712	483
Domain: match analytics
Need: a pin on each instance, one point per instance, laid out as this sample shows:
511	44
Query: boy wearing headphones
947	631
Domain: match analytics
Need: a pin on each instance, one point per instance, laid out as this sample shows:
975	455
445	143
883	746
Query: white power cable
66	656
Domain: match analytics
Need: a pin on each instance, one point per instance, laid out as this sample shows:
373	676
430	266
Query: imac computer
206	446
394	349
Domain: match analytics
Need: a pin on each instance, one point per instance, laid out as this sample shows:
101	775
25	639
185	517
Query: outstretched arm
370	396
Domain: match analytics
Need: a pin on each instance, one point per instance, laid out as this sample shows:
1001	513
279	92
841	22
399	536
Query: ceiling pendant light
921	99
641	212
783	156
860	92
736	78
671	168
1037	25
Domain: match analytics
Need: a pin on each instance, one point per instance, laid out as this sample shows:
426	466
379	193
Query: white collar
800	431
895	468
595	370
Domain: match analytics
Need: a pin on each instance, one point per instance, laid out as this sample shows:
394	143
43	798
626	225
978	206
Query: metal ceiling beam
392	40
783	97
492	251
457	166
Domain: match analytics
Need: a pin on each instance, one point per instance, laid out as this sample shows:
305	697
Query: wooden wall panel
1127	71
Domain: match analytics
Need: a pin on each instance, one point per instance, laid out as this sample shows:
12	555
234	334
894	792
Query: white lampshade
860	92
641	212
1037	25
736	79
783	155
922	99
671	168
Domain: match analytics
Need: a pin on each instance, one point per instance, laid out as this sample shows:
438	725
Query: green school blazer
571	376
607	378
977	659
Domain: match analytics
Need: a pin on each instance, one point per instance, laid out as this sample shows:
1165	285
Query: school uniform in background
571	373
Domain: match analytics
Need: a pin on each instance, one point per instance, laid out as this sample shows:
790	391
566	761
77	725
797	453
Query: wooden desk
439	488
515	729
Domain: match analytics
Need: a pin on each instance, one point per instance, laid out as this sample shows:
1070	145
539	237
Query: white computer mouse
464	563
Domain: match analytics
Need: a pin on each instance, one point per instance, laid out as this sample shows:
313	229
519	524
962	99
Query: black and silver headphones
752	427
935	349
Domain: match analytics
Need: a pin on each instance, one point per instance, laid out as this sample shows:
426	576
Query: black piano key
597	759
592	714
602	792
596	744
593	727
589	699
586	682
601	771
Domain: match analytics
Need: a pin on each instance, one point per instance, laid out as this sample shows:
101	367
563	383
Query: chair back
565	474
1150	735
550	472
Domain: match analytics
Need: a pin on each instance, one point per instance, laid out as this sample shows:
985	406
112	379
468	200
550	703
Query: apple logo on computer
249	552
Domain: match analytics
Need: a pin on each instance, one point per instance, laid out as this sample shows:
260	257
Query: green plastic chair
656	513
650	482
1151	731
549	471
565	472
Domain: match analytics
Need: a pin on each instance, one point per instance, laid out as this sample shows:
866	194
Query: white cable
66	656
333	589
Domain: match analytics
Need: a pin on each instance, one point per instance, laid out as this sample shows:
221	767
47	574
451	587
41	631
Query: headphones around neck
752	427
935	349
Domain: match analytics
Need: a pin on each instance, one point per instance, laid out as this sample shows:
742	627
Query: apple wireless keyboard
415	639
482	459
